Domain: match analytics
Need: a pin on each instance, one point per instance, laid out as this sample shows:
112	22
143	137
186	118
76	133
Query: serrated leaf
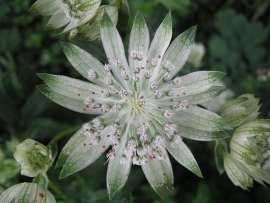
184	156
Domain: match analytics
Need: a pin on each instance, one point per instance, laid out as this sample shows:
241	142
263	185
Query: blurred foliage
235	34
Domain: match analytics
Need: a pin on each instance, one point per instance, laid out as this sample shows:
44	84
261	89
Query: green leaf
159	174
184	156
221	149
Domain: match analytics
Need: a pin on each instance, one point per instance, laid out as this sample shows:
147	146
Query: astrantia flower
27	192
144	110
73	13
33	157
249	157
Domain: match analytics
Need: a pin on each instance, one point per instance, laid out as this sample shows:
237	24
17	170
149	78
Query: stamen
107	67
116	107
168	114
105	93
153	85
108	81
133	54
105	108
124	75
118	64
158	93
139	55
154	62
148	73
88	101
92	74
166	77
177	80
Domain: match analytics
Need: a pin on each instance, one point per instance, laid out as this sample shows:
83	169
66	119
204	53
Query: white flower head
141	124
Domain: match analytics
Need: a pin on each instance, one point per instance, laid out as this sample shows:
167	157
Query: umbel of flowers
144	110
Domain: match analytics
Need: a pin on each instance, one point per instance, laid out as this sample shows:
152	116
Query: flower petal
237	175
159	45
252	128
44	7
184	156
27	192
159	174
117	174
89	8
78	153
138	42
114	49
200	119
179	50
65	101
201	135
220	149
191	81
82	61
57	20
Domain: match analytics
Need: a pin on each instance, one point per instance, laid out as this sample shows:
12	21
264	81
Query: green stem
64	133
55	189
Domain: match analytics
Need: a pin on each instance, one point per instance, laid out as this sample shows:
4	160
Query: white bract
143	109
27	192
249	157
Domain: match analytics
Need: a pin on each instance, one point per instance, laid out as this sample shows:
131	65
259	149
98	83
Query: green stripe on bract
200	135
183	155
159	174
237	175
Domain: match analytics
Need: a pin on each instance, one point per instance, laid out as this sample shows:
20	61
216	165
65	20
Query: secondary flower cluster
144	109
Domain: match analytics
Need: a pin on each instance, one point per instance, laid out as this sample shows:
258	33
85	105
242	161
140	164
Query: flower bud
33	157
240	110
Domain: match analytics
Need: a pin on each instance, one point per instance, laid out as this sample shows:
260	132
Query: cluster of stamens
261	147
